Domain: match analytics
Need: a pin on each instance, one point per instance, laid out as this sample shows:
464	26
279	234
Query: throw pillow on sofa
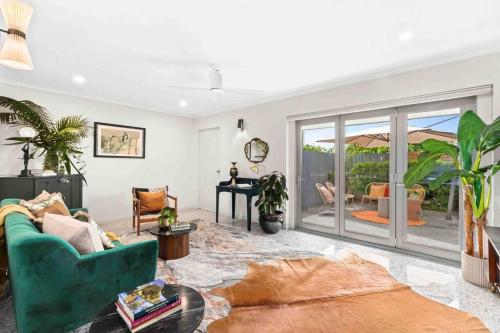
46	203
82	236
86	218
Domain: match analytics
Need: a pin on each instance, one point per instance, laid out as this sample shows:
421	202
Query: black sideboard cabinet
29	187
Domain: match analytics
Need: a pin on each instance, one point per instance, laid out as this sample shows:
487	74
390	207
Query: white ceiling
130	51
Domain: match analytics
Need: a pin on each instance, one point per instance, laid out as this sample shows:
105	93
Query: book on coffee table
183	225
149	319
147	298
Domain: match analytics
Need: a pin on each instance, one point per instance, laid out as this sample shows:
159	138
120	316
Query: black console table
249	191
29	187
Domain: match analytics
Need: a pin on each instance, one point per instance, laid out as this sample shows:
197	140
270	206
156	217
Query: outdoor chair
330	188
326	196
374	191
347	196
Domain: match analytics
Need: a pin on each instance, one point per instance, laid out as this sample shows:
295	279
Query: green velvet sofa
56	289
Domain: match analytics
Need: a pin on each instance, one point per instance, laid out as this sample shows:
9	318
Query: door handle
218	171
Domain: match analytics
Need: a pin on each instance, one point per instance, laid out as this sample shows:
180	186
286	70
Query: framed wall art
111	140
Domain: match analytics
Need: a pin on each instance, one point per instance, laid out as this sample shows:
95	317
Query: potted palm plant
58	141
272	198
475	140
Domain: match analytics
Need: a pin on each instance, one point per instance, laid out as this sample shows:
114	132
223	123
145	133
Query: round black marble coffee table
186	321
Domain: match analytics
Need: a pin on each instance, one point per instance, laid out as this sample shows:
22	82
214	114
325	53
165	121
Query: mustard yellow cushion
152	202
377	191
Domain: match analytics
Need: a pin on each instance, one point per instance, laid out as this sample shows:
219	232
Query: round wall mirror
256	150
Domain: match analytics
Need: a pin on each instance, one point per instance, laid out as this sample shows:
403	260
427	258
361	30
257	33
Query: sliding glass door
367	163
429	219
351	177
317	201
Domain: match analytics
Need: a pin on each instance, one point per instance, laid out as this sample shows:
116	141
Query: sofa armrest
77	286
123	266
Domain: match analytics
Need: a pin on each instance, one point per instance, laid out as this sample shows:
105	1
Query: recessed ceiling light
405	36
79	79
183	103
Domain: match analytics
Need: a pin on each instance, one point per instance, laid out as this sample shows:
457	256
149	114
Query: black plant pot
271	224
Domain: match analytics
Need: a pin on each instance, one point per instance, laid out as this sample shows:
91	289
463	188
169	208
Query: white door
208	166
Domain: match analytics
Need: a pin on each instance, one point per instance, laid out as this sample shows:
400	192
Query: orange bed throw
320	295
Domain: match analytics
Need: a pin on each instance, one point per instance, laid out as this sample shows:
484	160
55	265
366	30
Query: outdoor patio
436	232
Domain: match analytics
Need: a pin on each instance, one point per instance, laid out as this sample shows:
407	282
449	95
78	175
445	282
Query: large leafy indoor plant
272	197
58	141
475	140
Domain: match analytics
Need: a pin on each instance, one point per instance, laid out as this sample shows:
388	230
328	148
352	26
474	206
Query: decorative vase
61	170
233	172
474	266
271	224
161	224
475	270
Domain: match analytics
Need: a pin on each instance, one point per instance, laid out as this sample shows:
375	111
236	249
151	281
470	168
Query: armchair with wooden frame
139	216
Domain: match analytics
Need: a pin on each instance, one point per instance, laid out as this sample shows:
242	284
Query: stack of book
180	226
147	304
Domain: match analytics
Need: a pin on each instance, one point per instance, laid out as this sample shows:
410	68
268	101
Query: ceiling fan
216	84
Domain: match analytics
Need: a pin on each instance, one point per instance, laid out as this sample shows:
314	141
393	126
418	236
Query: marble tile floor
435	280
438	281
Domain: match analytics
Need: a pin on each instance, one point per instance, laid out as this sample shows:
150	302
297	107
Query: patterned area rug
218	257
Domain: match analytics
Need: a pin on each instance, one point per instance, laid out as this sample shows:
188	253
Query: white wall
169	152
268	121
172	142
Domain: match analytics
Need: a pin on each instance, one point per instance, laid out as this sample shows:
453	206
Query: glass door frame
468	103
298	196
391	112
398	159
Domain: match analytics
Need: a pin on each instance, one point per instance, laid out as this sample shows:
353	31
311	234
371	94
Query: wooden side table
172	244
349	196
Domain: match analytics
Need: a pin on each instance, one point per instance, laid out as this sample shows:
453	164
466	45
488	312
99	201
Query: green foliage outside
355	149
364	173
437	200
320	149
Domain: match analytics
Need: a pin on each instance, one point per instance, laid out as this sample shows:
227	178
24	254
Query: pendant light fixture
14	52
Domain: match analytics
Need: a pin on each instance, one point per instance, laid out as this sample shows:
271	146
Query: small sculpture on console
233	172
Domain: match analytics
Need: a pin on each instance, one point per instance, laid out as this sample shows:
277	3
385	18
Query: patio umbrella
379	136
